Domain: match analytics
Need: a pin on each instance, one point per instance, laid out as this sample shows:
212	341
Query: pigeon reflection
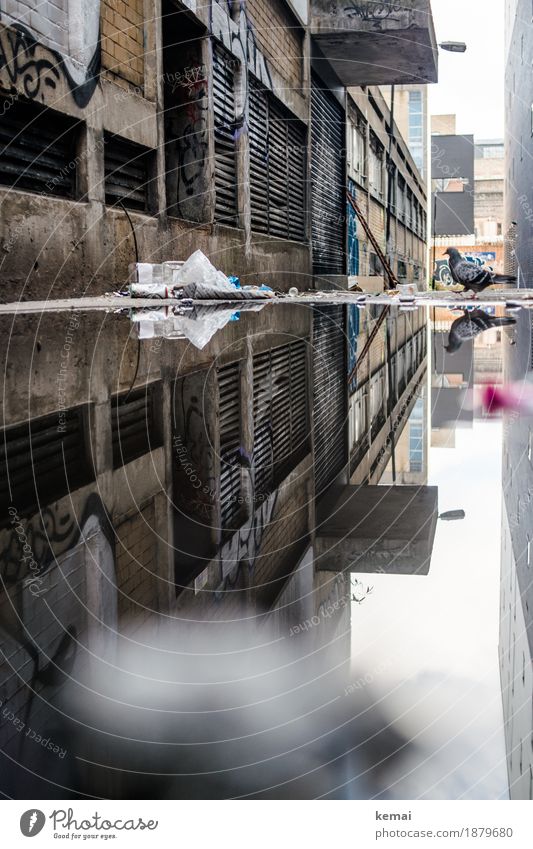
471	324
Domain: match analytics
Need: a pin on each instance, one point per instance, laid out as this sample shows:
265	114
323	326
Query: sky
433	641
471	84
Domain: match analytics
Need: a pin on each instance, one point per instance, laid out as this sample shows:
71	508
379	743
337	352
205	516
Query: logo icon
32	822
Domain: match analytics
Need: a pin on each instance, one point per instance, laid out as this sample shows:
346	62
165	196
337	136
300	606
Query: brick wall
47	20
123	40
283	543
278	37
136	565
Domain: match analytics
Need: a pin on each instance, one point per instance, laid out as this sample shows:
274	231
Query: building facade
516	601
218	126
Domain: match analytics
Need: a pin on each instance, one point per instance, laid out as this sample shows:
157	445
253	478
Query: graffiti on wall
238	38
193	144
31	546
244	546
29	62
374	12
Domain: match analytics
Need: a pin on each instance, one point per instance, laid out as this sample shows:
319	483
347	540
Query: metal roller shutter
37	148
230	443
280	413
277	167
225	152
258	118
327	180
330	395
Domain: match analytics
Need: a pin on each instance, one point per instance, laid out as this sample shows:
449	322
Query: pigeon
471	324
473	277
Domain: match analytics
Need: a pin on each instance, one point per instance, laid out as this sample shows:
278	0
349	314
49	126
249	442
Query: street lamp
453	516
453	46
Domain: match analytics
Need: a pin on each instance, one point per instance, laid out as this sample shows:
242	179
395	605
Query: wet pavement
226	566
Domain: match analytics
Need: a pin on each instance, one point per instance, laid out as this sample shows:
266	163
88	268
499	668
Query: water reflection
185	496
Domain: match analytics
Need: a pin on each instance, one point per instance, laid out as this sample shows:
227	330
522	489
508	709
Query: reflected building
516	601
146	480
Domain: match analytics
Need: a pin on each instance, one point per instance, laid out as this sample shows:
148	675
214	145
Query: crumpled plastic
198	269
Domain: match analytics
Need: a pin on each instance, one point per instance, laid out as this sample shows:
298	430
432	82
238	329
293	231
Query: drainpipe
390	172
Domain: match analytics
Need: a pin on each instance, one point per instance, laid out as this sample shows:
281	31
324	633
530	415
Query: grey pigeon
473	277
471	324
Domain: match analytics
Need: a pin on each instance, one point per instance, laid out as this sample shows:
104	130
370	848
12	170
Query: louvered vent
327	180
230	443
37	148
280	413
135	424
329	385
277	167
225	151
42	460
127	172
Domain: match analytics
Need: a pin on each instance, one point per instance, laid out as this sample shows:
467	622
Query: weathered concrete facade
196	117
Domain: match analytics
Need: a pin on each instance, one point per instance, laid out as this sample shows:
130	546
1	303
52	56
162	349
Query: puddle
223	568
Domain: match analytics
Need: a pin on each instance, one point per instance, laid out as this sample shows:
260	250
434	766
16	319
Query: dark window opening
129	176
280	414
38	148
230	417
42	460
135	423
278	161
224	65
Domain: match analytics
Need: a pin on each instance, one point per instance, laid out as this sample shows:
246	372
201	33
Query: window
416	128
280	413
400	205
278	158
358	148
230	444
128	173
225	150
375	267
375	166
38	148
135	424
42	460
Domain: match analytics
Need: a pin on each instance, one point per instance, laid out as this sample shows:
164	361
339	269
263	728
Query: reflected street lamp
453	516
453	46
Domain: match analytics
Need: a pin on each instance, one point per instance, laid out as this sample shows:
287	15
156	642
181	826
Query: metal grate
135	424
327	179
277	168
329	399
280	413
42	460
37	148
225	150
230	443
127	172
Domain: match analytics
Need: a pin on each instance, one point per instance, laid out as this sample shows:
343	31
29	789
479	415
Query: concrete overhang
377	43
389	529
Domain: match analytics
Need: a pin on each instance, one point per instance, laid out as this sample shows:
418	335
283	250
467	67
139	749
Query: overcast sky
432	642
472	84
